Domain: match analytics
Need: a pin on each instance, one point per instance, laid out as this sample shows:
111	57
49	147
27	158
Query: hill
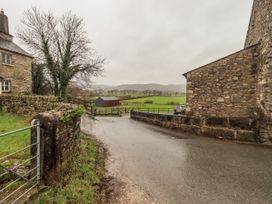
144	87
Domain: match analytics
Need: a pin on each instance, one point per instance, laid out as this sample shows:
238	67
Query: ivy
78	112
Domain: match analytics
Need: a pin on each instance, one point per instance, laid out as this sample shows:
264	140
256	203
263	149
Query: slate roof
110	98
12	47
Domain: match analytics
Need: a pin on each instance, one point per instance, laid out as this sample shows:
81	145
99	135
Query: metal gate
20	178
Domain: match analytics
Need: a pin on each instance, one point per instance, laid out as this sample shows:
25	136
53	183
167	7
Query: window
6	58
6	86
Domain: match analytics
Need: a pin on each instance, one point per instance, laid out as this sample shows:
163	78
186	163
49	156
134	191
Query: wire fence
156	110
120	111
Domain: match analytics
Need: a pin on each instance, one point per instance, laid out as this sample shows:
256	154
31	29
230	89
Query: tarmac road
174	167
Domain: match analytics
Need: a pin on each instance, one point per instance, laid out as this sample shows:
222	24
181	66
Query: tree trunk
63	90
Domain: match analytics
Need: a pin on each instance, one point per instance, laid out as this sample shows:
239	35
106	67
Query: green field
9	144
12	143
159	100
156	103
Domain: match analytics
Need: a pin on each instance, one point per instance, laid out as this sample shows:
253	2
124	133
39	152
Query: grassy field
159	100
10	144
9	122
156	102
82	181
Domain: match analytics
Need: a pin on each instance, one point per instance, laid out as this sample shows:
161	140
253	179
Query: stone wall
225	88
260	22
230	128
60	140
260	30
28	104
19	73
60	130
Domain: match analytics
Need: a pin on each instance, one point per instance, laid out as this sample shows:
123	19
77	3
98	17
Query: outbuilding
107	101
237	88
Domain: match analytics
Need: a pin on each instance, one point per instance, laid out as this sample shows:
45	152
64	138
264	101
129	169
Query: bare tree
62	45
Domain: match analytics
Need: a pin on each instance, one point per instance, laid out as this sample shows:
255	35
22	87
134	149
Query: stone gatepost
60	140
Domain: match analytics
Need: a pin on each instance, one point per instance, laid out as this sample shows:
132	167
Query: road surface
174	167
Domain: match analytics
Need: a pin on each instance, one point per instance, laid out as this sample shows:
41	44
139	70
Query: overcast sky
152	41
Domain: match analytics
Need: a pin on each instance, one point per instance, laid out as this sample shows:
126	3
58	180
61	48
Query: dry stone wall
28	104
229	128
60	130
60	140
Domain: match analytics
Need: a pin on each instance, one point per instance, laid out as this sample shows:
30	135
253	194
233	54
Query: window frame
6	58
6	84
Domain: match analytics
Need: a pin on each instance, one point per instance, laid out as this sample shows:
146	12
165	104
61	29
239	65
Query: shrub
148	102
172	103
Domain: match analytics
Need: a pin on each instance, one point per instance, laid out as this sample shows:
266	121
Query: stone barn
107	101
239	85
15	63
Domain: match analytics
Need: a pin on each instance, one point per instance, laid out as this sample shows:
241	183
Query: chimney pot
2	11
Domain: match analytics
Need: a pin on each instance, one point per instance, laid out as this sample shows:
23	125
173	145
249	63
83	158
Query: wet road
186	169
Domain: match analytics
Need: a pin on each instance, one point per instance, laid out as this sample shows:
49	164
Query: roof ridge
13	47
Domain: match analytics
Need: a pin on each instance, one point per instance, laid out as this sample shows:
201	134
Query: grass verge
10	122
81	183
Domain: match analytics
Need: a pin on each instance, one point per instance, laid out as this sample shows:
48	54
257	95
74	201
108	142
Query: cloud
152	40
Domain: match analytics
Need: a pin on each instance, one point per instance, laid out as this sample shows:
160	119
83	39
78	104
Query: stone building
15	63
239	85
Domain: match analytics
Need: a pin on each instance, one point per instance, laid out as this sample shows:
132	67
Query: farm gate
19	168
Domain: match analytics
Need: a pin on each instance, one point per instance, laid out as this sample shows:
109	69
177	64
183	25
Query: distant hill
143	87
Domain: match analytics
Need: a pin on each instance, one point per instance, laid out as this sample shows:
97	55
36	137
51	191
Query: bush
172	103
148	102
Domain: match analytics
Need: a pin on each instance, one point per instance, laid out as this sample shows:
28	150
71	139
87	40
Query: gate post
59	141
47	151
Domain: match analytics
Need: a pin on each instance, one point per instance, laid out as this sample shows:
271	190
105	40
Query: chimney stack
4	26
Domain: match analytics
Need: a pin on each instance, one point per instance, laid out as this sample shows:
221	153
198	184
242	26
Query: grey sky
148	41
